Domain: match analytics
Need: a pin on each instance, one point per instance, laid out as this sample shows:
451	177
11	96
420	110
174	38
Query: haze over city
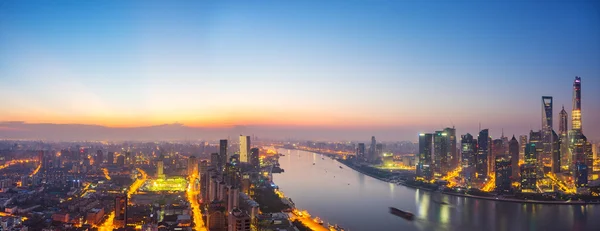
334	70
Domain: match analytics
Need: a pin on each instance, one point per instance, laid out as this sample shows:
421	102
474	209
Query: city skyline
308	74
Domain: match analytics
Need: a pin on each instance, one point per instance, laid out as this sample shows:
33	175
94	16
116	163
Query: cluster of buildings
544	161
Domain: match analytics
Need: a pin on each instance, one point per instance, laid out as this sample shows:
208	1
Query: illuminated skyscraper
160	167
244	148
441	154
576	114
580	148
425	157
529	170
469	152
222	154
503	171
523	142
563	135
513	150
547	137
483	153
536	138
497	150
452	151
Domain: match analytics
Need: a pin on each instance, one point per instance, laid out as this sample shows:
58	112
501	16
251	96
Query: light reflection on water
358	202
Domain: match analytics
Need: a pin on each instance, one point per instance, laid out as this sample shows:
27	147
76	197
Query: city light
192	197
562	185
451	177
105	171
137	183
108	223
36	170
490	184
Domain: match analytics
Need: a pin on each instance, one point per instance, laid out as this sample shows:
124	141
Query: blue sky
418	64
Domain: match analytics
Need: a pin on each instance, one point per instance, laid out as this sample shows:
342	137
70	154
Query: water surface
358	202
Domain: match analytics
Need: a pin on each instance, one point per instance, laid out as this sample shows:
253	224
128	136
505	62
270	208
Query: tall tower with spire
563	134
579	146
576	113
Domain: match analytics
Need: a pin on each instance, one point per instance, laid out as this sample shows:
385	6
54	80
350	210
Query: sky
323	69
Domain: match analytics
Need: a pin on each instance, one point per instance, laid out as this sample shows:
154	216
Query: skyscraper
469	152
222	154
425	158
441	153
110	158
523	142
579	146
513	150
497	150
360	152
378	153
576	113
372	150
254	158
99	158
483	152
547	130
160	167
563	120
452	152
120	219
529	170
503	171
563	133
214	160
244	148
536	138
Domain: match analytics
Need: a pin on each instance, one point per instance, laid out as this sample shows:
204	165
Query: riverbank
492	198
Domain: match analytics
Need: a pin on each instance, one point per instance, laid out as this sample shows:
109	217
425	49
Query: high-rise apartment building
222	154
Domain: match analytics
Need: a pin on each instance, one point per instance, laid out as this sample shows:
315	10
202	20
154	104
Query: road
108	225
308	222
192	196
137	183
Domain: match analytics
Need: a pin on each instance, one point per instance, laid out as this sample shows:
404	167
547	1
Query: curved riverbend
359	202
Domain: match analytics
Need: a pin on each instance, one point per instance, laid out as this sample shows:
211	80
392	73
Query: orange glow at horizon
318	119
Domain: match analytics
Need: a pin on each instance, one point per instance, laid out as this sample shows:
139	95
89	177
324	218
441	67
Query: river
358	202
